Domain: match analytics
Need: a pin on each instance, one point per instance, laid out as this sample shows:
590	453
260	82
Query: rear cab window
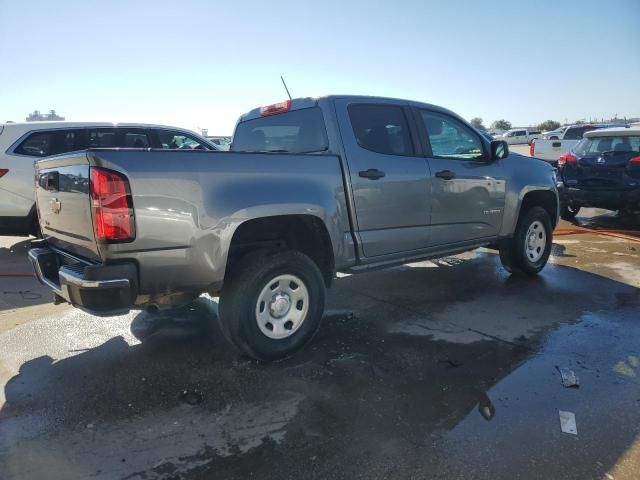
296	131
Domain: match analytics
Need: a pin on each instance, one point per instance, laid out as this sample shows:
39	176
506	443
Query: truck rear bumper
97	289
609	199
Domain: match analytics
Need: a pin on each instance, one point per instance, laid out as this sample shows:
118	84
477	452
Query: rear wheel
272	304
529	249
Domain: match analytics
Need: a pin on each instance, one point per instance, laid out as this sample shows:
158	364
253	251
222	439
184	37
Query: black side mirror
499	149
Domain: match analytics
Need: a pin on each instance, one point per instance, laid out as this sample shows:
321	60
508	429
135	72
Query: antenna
285	86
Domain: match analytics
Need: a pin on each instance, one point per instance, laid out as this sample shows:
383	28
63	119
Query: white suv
21	144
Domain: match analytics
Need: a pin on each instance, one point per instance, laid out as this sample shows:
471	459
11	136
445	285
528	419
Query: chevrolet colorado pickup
311	187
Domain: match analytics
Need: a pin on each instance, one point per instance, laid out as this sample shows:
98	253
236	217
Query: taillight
3	172
531	147
111	206
275	108
567	159
632	161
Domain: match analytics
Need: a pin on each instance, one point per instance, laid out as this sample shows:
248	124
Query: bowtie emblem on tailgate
55	205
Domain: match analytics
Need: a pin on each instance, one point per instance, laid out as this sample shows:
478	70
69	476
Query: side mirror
499	149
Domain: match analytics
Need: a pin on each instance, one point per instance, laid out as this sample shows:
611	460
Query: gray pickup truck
312	187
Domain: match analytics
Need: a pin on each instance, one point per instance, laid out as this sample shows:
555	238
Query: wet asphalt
444	369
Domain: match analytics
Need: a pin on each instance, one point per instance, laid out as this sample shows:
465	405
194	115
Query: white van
21	144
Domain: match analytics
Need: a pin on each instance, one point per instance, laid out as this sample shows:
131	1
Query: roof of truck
306	102
632	131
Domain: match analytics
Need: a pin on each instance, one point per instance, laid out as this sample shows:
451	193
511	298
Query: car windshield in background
298	131
595	145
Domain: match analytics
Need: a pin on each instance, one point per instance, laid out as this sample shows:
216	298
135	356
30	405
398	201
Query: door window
135	140
451	138
102	138
172	140
381	128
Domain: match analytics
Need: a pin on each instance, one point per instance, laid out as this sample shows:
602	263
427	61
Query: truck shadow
402	357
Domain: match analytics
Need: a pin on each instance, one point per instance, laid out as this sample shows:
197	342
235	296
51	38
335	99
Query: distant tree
549	125
477	123
578	122
501	124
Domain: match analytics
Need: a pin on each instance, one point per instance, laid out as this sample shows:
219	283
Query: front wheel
272	303
530	247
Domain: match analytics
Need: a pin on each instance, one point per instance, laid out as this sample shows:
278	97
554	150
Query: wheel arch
306	233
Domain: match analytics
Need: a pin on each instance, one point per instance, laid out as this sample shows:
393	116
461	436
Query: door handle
445	174
371	174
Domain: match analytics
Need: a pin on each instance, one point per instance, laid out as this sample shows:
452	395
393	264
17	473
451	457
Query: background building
36	116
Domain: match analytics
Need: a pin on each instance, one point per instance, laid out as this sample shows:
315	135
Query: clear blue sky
196	63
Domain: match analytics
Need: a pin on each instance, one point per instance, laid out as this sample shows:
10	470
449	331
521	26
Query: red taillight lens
111	206
275	108
3	172
567	159
632	161
531	148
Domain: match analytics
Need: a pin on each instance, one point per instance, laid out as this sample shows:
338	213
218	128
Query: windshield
596	145
299	131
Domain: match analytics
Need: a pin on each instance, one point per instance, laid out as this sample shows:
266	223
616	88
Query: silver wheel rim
282	306
535	241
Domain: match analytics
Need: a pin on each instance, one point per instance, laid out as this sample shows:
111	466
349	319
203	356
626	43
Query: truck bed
187	205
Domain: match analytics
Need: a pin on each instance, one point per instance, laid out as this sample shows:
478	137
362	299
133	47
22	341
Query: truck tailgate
64	206
551	150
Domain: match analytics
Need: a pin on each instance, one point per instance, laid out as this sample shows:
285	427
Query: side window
381	128
135	139
37	144
451	138
574	133
44	144
101	138
172	140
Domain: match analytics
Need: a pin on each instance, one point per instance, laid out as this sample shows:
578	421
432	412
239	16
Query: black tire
513	252
239	301
568	212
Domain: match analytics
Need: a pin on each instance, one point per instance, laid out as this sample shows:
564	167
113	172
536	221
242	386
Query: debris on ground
569	377
568	422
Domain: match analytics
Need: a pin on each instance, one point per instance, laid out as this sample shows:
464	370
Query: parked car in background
23	143
602	171
312	186
221	142
550	149
553	134
517	136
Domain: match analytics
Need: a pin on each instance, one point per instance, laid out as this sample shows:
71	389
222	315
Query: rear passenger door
468	189
390	182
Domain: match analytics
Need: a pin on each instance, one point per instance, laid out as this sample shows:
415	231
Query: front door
468	189
390	182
